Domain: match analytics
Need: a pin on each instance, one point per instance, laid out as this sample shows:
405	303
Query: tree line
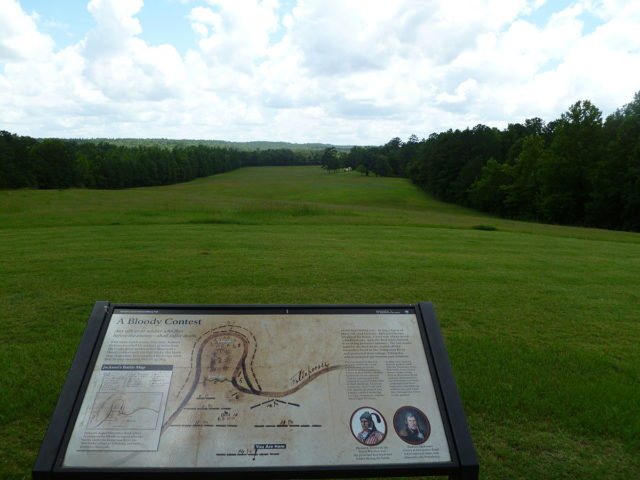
576	170
27	162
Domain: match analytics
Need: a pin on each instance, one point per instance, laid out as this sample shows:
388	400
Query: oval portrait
368	426
411	425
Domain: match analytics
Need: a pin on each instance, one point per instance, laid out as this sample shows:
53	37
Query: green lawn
541	322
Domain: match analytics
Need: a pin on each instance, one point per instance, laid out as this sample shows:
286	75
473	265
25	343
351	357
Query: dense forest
26	162
576	170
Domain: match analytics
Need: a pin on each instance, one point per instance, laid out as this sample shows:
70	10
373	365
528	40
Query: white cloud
341	38
19	35
120	63
601	66
116	26
238	34
344	71
203	19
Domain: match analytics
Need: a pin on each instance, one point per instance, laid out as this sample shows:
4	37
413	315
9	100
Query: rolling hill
540	321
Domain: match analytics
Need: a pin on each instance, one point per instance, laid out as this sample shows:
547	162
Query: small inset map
130	410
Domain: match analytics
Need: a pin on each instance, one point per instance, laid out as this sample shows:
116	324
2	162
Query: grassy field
541	322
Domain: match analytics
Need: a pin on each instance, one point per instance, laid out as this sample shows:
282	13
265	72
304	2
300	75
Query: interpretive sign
278	391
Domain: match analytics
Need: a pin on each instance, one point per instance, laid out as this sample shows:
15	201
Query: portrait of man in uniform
411	425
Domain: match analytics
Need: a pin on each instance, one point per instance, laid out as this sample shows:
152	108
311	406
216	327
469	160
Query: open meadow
541	322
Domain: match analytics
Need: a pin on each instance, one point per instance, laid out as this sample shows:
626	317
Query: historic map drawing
125	410
187	390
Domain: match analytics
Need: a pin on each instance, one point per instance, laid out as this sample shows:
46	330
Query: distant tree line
576	170
26	162
251	146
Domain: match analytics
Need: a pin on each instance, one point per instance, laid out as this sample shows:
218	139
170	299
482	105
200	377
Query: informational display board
280	390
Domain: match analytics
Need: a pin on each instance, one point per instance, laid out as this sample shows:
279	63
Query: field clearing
541	322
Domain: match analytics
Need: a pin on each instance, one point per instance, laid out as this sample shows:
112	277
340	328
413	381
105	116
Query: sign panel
215	389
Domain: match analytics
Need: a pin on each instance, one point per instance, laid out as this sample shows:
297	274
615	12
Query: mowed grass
541	322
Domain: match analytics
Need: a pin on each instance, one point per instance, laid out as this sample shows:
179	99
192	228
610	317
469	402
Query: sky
347	72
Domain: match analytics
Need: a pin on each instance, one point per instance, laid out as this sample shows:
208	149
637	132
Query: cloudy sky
335	71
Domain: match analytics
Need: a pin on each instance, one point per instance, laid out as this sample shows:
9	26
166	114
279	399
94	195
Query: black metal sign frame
463	464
